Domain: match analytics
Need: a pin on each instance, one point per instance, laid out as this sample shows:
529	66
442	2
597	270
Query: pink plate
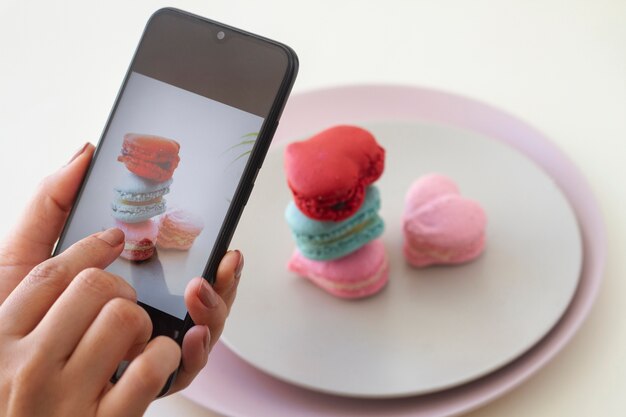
230	386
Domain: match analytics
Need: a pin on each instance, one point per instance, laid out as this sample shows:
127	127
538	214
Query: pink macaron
359	274
178	229
440	226
140	239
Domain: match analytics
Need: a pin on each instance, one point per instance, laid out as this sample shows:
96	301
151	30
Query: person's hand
65	323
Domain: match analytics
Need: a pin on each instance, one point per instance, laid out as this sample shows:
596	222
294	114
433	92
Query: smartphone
179	154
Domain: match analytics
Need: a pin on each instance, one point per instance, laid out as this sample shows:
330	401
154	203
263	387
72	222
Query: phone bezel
164	323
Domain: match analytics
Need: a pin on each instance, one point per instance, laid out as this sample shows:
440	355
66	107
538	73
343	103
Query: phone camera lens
220	35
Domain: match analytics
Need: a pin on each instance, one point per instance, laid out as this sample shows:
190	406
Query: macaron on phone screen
180	152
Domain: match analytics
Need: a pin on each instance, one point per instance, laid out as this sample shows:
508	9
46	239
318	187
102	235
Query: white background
560	65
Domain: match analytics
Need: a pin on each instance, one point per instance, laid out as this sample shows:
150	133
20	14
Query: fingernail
113	236
78	153
206	294
239	267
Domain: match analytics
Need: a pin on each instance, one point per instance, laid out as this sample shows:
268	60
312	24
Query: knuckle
126	314
148	375
25	379
48	273
98	281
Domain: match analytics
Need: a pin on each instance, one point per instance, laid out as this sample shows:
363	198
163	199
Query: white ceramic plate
233	387
430	329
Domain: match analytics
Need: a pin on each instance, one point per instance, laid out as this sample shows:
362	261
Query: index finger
33	297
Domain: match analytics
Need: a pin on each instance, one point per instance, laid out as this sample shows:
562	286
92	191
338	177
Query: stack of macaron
334	213
150	161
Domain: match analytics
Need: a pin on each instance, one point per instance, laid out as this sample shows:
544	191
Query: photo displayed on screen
166	172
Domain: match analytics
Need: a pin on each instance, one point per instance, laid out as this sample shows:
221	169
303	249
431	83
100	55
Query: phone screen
186	125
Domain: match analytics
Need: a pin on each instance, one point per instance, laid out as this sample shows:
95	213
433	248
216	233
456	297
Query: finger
32	239
228	275
34	296
77	307
195	353
143	380
120	331
206	307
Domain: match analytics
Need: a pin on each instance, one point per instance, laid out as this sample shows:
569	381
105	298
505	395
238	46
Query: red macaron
328	173
151	157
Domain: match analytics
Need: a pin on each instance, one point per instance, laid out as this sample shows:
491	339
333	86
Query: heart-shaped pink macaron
440	226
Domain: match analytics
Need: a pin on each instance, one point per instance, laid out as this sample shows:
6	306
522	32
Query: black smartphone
179	154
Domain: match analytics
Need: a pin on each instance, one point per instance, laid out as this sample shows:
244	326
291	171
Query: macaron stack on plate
150	161
334	213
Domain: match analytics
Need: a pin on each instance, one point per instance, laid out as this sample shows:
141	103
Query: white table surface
559	65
